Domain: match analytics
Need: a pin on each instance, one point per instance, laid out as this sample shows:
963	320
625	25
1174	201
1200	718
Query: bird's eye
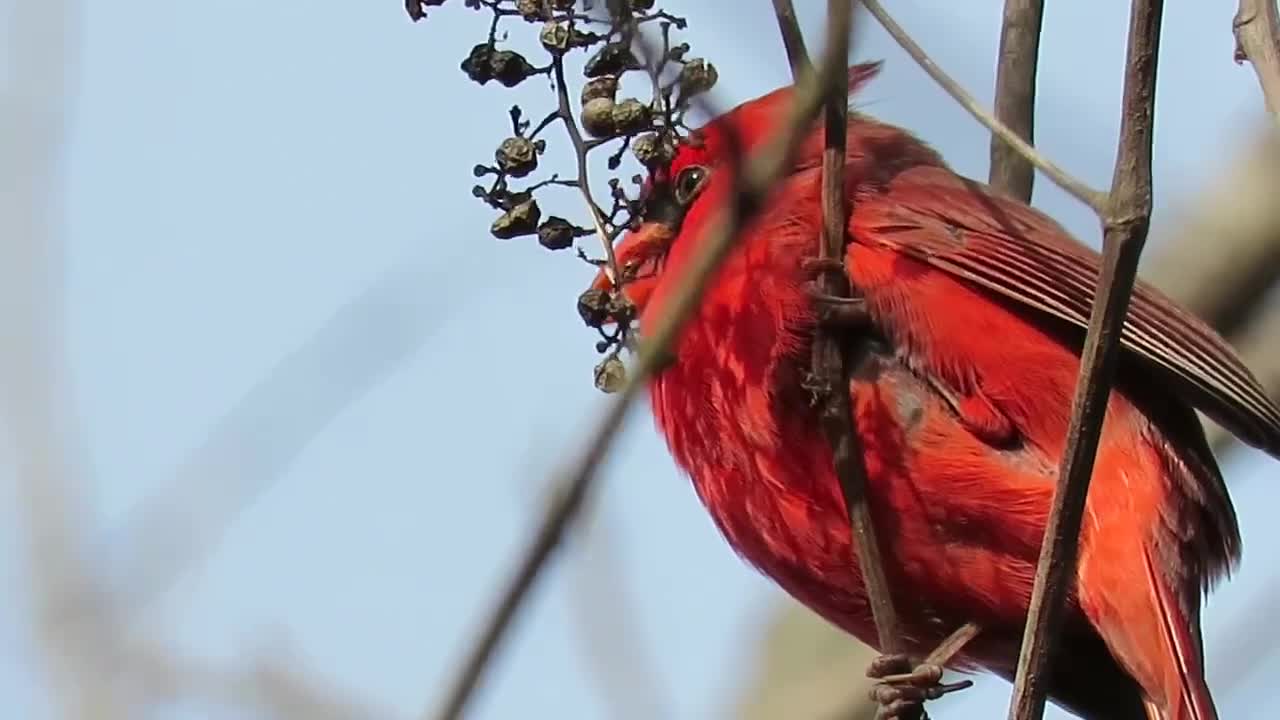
690	182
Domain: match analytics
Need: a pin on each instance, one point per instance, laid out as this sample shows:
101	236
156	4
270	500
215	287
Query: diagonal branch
751	186
792	38
1125	222
1015	103
1257	30
1082	192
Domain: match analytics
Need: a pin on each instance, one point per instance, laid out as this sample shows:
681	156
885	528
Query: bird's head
679	199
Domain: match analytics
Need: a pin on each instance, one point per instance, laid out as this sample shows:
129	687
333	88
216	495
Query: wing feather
961	227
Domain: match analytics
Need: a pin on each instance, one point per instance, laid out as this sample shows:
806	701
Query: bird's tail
1146	626
1185	694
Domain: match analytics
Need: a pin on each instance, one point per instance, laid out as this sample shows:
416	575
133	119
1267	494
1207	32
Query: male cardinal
961	392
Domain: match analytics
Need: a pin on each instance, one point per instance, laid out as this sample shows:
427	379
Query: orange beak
639	256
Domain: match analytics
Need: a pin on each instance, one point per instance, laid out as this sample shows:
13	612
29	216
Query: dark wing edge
1025	256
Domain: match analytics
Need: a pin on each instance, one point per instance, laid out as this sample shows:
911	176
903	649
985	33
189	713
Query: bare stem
792	38
1015	103
1125	222
751	187
1257	30
580	148
829	361
1085	194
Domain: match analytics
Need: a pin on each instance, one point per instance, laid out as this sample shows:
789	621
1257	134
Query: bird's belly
959	523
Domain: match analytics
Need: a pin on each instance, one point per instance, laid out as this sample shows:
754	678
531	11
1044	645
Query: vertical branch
792	38
829	371
1060	177
1125	223
829	366
1015	103
1257	30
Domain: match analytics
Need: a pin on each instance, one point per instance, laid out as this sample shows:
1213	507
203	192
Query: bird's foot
903	687
839	312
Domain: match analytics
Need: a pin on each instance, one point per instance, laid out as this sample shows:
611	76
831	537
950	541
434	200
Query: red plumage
961	396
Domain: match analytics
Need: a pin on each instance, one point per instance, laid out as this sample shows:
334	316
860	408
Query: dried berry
517	156
593	307
697	76
531	10
597	117
556	233
485	63
611	374
477	66
519	220
417	9
654	149
613	58
630	116
555	36
605	86
510	68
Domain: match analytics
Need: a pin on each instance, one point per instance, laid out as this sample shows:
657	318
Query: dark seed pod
516	156
556	233
610	374
697	76
593	307
630	116
417	9
641	4
620	309
613	58
519	220
510	68
477	66
597	117
605	86
562	4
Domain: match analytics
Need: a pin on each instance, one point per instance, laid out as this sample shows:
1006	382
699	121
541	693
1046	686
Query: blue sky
236	174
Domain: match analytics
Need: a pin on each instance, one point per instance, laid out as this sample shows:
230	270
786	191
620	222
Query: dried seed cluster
613	41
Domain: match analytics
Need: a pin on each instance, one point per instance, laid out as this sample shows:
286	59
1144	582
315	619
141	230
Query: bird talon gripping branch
902	689
839	312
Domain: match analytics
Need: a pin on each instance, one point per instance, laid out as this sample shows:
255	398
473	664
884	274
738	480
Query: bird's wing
962	228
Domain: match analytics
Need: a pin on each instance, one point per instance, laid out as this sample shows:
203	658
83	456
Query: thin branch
751	187
1082	192
565	111
944	652
829	361
1015	103
792	38
1125	224
1257	30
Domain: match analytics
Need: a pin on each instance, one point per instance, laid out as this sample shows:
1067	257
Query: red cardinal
962	394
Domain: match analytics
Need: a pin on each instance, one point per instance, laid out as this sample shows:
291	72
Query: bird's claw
839	312
903	688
